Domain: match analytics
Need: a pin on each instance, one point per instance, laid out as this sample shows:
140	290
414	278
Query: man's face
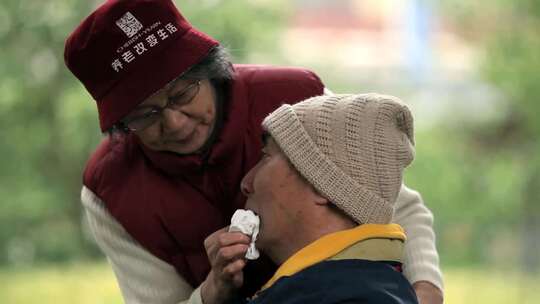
277	193
183	129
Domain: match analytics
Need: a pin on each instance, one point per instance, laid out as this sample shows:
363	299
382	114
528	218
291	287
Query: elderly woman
183	128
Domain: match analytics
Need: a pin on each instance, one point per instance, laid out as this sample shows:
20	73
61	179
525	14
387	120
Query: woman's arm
142	277
421	260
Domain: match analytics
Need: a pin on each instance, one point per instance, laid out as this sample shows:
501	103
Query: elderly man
184	127
325	192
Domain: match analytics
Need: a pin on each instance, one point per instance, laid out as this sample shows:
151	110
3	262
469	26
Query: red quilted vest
171	203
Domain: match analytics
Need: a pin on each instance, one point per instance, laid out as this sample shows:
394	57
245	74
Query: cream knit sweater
144	278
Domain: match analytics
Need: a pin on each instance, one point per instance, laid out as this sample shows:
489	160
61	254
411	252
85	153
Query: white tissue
247	222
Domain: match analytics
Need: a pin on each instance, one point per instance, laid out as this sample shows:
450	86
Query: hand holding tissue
246	222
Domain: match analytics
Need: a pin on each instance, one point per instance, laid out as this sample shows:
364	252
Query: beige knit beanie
351	148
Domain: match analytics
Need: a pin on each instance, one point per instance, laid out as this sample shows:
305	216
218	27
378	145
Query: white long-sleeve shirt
144	278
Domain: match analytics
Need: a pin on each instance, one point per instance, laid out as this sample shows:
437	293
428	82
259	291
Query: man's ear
319	198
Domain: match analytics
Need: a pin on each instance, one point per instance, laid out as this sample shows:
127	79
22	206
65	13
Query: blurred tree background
480	177
507	149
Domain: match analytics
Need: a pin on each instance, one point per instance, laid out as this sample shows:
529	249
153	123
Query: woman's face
184	126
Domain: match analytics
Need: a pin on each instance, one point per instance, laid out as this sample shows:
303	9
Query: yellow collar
331	245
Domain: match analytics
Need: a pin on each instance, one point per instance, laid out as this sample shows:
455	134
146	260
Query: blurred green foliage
499	196
44	126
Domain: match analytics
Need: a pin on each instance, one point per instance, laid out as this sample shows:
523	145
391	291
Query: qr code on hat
129	24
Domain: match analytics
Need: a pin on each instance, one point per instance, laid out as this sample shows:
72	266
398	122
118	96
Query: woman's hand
428	293
226	252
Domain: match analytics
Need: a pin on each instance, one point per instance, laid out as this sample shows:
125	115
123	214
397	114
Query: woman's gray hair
215	66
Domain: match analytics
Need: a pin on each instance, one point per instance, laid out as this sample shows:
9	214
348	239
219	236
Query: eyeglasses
144	120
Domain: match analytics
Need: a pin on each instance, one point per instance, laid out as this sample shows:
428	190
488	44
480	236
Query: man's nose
247	183
173	120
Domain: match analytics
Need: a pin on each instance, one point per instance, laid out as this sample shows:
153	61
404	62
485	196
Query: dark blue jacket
341	281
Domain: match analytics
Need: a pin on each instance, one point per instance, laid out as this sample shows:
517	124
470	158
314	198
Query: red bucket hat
127	50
